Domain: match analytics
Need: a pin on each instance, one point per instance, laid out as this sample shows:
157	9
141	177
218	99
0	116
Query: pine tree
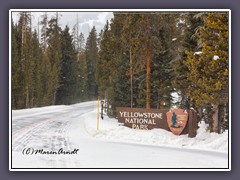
53	61
91	60
162	63
123	59
134	40
158	32
104	69
162	76
37	89
191	26
208	73
82	92
66	93
82	78
17	101
44	24
113	66
26	56
26	63
81	66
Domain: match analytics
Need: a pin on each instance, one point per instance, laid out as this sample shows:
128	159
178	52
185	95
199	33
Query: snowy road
72	128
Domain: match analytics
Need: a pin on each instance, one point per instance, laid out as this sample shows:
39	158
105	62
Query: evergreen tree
26	56
113	65
91	60
82	70
82	92
118	64
81	43
66	93
44	24
37	89
81	83
78	38
162	60
158	32
104	62
26	63
162	75
17	99
191	26
134	38
53	61
208	73
122	60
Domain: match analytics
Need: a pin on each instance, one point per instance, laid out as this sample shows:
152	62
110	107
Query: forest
139	59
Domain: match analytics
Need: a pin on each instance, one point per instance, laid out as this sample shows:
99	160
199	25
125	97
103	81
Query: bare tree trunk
54	97
23	29
78	39
200	112
215	119
131	77
32	99
148	68
27	97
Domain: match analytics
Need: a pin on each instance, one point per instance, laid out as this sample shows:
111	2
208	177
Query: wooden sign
139	118
177	120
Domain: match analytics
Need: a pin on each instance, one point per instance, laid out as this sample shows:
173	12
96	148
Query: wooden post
215	118
192	123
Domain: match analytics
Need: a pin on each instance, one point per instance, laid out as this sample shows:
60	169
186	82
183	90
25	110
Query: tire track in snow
41	133
50	134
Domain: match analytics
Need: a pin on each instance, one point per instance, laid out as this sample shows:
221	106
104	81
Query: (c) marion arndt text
61	151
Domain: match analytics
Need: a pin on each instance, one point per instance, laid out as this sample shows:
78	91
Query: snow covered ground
45	137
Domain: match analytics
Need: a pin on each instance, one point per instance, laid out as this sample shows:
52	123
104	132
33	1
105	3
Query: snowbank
110	130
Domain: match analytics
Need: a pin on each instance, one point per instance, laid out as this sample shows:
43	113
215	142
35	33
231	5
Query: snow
197	53
159	137
74	129
176	98
215	57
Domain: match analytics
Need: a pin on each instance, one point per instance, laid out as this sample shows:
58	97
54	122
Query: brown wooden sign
139	118
177	120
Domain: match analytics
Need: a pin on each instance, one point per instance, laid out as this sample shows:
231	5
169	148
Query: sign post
102	102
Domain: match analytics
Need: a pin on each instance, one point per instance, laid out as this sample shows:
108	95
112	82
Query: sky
86	19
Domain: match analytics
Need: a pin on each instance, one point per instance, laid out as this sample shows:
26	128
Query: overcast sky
86	19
